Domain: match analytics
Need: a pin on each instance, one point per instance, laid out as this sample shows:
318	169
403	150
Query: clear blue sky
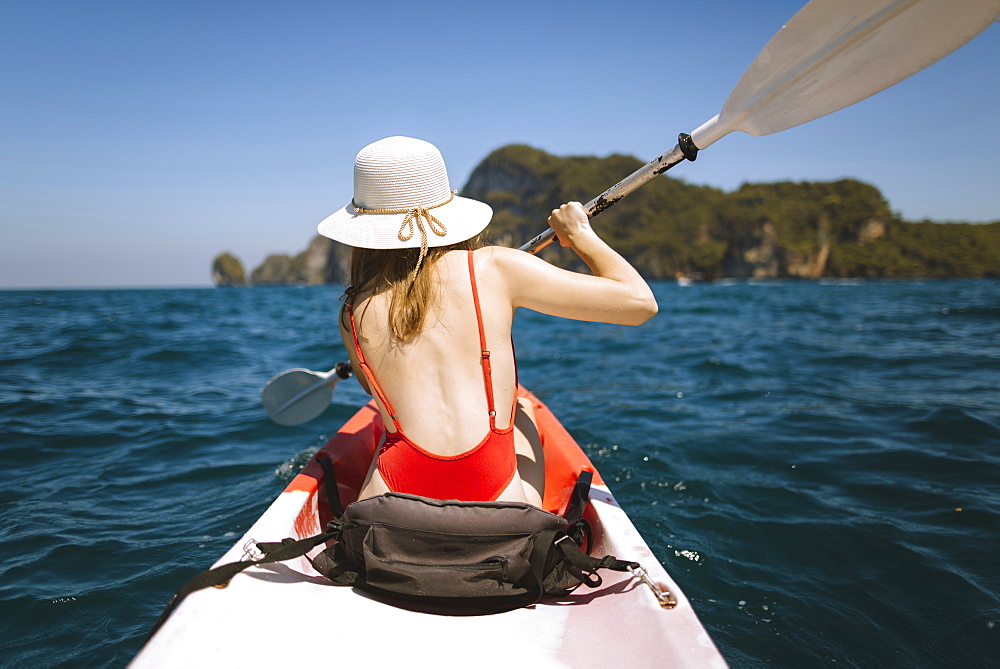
140	139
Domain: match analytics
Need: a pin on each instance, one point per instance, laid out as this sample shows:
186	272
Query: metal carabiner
664	597
251	552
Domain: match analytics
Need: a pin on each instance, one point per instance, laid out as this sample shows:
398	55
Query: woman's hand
570	223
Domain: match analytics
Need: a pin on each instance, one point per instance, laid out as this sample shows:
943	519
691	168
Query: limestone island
669	228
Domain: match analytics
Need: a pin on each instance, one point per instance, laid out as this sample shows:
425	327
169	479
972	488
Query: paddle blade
834	53
297	396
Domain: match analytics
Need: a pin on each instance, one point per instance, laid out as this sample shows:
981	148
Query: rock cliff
227	270
776	230
323	261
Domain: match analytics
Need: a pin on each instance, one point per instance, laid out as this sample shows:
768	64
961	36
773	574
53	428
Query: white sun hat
402	199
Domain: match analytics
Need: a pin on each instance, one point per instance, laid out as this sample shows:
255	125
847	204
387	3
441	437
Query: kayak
276	612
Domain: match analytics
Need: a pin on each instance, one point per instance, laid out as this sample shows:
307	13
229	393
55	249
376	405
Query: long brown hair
378	270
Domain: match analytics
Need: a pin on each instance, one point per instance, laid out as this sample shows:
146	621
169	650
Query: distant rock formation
227	270
276	269
771	230
323	261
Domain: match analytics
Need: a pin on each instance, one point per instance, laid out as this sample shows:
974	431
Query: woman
427	323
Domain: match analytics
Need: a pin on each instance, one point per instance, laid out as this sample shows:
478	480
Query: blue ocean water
816	463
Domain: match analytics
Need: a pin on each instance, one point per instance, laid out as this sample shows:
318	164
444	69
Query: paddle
831	54
297	396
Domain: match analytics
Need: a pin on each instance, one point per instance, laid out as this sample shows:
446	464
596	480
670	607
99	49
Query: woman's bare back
434	380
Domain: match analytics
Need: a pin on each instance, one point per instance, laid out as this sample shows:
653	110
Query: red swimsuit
479	474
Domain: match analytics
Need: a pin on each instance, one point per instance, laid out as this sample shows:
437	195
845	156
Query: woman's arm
615	293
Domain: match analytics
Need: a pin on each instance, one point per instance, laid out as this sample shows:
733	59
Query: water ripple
815	463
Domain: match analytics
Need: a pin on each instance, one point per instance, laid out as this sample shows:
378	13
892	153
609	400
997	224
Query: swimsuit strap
487	369
367	370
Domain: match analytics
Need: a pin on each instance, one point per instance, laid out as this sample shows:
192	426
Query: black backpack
441	555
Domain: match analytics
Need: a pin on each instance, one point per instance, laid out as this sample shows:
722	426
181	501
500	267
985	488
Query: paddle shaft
684	150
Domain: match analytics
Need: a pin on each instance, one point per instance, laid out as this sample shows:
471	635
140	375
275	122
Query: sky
141	139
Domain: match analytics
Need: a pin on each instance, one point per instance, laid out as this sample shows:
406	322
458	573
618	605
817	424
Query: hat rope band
415	217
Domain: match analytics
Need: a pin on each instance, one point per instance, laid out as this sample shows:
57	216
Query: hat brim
462	219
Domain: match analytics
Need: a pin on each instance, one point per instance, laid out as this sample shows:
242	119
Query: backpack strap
585	567
572	568
541	557
330	484
219	577
579	498
335	567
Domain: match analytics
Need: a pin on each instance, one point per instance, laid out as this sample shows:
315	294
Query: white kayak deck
290	614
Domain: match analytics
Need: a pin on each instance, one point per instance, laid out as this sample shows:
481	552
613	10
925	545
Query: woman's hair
377	270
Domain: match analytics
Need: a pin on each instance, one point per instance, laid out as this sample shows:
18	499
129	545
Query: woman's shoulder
485	258
511	273
503	257
502	263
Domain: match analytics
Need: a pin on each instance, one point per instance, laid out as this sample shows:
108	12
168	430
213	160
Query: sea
817	464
